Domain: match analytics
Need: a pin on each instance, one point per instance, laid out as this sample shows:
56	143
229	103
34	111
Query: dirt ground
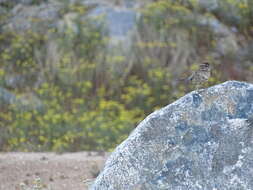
56	171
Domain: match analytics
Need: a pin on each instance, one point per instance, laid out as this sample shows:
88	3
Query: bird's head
204	66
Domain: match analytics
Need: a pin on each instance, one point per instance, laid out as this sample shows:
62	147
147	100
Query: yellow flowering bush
83	103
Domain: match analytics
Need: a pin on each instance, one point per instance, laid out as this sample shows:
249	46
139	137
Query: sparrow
200	76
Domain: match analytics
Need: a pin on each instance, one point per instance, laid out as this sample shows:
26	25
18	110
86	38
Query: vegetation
87	103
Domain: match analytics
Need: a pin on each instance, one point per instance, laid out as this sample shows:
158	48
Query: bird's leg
198	87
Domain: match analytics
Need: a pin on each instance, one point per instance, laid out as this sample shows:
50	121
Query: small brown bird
199	77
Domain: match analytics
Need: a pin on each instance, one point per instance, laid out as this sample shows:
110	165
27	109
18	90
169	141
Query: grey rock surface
6	97
23	102
119	21
25	17
203	141
14	2
226	37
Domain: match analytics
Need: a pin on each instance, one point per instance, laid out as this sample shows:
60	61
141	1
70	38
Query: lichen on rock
203	141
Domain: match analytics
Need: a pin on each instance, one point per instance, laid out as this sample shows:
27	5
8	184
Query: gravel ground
56	171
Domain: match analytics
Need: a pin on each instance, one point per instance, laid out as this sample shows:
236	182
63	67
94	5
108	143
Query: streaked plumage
201	75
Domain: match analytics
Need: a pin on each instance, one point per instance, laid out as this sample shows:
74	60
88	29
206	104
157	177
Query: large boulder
203	141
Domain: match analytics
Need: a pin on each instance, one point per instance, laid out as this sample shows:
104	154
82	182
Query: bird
200	76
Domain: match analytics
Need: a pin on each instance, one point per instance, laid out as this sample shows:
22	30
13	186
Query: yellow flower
27	116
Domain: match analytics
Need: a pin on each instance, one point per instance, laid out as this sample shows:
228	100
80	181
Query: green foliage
77	129
76	113
236	13
86	105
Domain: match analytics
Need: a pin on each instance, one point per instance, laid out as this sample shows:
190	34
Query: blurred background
80	75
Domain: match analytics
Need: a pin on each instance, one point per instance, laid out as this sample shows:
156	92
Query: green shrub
86	103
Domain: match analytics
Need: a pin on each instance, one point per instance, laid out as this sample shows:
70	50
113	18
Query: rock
209	5
6	97
119	21
203	141
24	17
28	101
24	2
225	37
14	81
